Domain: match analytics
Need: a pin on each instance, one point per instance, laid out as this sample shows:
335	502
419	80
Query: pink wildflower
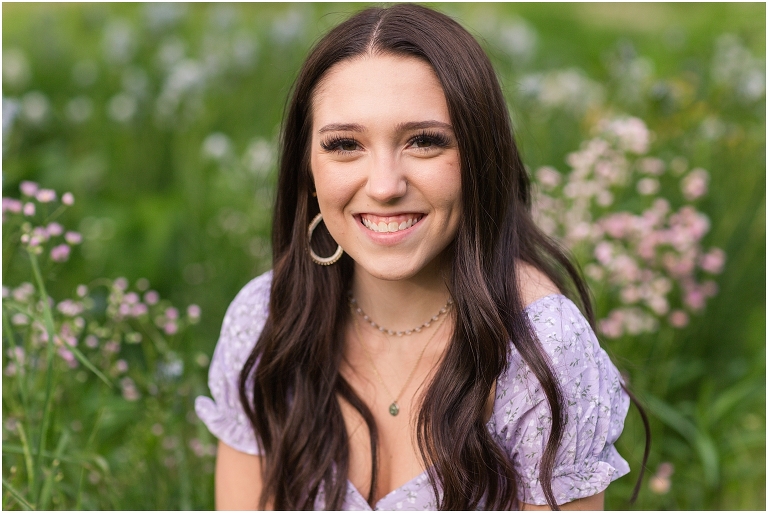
695	184
68	199
73	238
54	229
648	186
193	312
121	283
171	313
45	195
121	366
713	261
151	297
651	166
91	341
170	328
28	188
82	290
29	209
68	357
60	253
548	177
11	205
139	309
678	319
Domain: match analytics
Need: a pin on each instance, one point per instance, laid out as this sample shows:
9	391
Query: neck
402	304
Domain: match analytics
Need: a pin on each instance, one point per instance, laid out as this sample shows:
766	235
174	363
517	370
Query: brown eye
422	142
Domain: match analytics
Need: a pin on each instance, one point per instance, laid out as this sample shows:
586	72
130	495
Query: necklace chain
434	318
394	408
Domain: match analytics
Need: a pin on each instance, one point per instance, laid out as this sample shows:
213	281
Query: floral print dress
595	405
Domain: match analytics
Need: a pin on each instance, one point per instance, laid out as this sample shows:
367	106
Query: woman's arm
238	479
593	503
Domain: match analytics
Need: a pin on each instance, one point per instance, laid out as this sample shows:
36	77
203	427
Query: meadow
139	161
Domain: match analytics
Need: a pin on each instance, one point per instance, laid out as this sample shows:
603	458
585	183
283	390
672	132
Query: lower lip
389	238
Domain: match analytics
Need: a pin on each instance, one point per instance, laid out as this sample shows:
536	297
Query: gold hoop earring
318	259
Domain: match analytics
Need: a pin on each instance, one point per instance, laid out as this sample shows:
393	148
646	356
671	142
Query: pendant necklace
394	408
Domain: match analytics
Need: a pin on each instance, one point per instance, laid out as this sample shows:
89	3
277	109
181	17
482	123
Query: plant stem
27	457
22	382
48	317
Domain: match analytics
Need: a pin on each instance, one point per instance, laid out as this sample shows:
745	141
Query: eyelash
438	139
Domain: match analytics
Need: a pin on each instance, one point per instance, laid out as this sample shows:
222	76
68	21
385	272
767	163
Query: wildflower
91	341
54	229
139	310
60	253
193	312
695	184
130	393
713	261
68	199
23	292
121	284
12	205
29	209
151	297
82	290
45	195
73	238
172	313
121	366
142	284
660	482
70	308
648	186
678	319
28	188
170	328
68	357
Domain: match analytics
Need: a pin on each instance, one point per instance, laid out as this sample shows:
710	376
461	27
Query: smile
389	223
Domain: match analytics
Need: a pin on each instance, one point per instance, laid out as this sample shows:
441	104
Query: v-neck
424	476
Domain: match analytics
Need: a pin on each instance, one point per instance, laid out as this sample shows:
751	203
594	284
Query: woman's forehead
378	88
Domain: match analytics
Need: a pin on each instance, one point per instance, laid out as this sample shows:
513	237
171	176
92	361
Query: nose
386	179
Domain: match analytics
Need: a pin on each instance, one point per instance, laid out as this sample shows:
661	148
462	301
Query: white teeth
390	227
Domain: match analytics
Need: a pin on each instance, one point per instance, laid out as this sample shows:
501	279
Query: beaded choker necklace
434	318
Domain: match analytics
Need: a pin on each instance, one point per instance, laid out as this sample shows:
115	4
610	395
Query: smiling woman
433	362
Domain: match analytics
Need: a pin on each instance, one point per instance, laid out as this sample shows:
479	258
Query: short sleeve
224	415
595	408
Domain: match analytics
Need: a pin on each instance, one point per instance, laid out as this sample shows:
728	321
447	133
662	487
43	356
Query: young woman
417	352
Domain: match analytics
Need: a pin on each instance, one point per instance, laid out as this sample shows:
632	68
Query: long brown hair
290	383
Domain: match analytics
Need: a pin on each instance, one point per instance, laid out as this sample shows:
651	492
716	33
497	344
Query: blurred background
162	120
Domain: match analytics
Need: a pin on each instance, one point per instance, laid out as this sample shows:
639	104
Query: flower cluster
35	238
131	315
651	260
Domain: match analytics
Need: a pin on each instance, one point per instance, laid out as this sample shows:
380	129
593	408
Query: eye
426	141
340	145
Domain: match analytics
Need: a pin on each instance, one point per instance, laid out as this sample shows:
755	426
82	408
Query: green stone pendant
394	409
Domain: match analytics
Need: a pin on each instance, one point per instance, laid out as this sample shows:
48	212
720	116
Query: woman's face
385	164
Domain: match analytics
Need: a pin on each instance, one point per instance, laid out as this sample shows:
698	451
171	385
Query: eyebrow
401	127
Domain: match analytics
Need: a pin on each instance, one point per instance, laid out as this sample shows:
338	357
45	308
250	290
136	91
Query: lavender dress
596	405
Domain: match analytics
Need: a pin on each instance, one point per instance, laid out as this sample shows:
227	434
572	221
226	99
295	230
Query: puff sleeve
224	415
595	408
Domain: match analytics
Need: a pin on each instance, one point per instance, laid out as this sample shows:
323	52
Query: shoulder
594	406
533	284
245	319
223	413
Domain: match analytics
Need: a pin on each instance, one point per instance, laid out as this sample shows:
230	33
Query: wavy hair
290	383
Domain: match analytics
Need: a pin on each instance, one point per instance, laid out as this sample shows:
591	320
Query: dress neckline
423	474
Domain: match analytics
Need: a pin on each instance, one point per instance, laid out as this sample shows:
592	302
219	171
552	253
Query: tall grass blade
45	495
27	457
16	495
